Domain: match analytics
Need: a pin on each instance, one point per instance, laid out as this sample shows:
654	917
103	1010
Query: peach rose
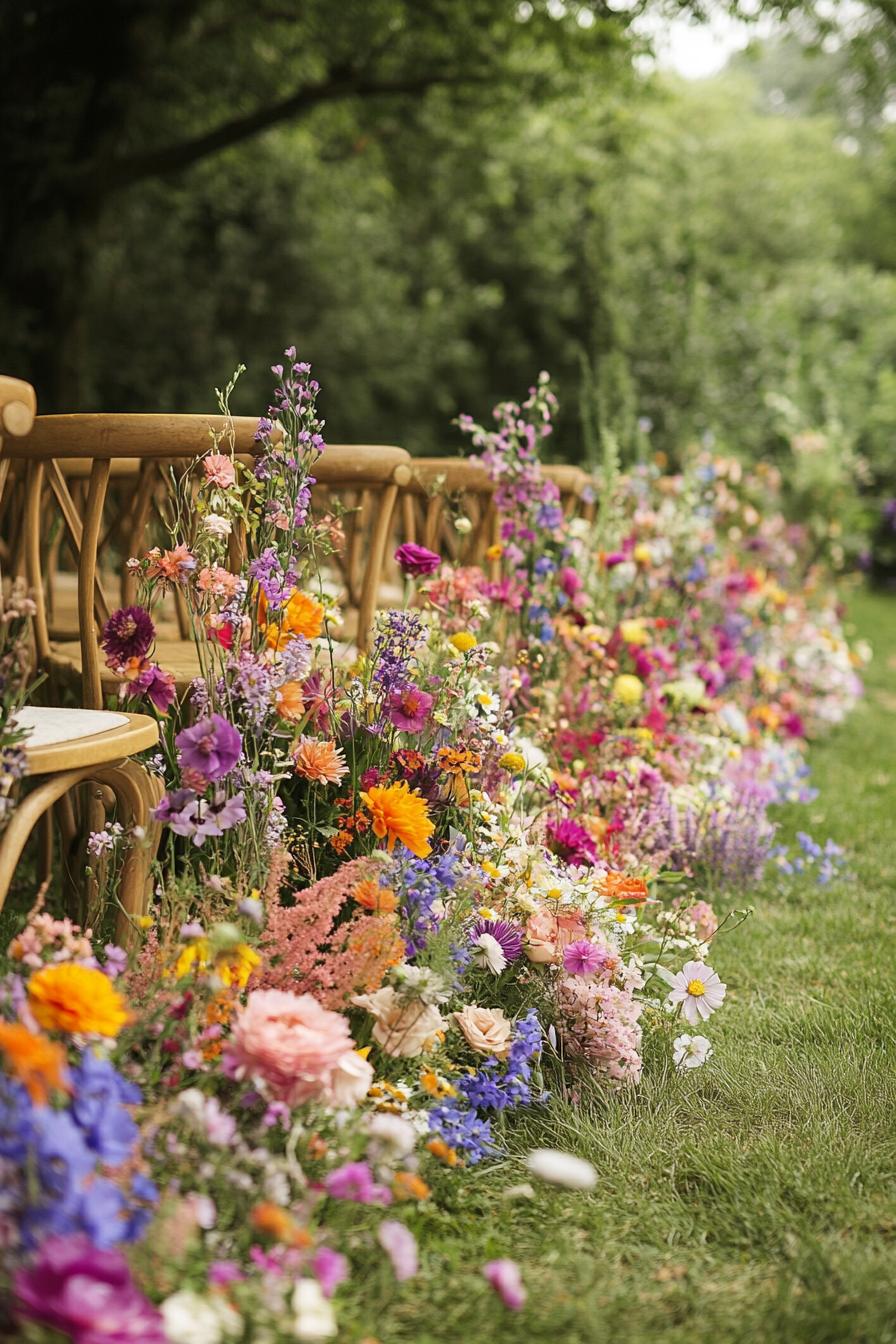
404	1027
487	1030
295	1047
548	934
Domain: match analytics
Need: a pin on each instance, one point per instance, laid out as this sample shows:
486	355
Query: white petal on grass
562	1169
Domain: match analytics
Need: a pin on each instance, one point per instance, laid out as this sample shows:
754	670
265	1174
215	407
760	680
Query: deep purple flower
570	841
507	935
158	686
86	1294
416	561
128	633
408	709
212	747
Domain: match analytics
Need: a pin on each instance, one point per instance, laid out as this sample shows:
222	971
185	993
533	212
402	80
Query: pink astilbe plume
308	949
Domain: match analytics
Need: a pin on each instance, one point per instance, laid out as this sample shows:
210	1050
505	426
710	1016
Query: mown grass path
754	1200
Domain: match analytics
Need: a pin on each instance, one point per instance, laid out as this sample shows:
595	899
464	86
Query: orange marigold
399	814
74	998
38	1064
302	615
408	1185
458	760
623	889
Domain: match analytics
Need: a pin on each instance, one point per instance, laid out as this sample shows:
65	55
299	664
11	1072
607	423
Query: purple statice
507	935
398	636
727	842
570	841
295	659
85	1294
419	885
253	682
267	572
211	747
128	633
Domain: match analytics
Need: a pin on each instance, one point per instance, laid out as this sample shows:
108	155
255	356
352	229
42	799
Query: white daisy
489	953
698	990
689	1052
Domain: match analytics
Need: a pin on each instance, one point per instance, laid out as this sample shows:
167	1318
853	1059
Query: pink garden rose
548	934
299	1050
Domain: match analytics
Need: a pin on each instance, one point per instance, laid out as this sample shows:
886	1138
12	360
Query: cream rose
403	1026
487	1030
350	1080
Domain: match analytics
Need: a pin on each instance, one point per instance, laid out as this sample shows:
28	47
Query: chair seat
72	739
177	656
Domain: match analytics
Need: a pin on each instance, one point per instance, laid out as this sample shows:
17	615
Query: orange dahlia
320	761
290	701
38	1064
399	814
74	998
302	615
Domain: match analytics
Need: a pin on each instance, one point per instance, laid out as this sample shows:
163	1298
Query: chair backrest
98	441
18	407
577	492
441	489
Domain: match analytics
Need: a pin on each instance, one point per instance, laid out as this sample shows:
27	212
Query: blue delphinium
419	884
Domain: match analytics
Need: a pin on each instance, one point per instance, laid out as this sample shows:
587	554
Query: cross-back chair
70	747
440	490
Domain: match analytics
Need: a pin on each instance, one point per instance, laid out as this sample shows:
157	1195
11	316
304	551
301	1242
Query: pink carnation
298	1049
219	470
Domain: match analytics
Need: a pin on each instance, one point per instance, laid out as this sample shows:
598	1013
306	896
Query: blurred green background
435	200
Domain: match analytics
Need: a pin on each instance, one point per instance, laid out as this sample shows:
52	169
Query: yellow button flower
628	689
463	641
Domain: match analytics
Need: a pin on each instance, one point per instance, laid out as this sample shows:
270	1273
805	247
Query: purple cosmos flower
212	747
582	958
355	1181
504	1276
128	633
416	561
408	709
508	936
158	686
86	1294
572	842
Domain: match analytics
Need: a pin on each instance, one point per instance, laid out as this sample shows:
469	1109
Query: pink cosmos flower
408	709
504	1276
297	1048
400	1245
219	470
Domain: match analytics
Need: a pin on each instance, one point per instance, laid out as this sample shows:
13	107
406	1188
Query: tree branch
118	173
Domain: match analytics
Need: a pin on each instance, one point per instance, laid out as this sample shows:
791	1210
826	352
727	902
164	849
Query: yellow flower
628	689
513	761
145	921
463	641
642	554
491	869
399	814
634	632
76	999
495	551
436	1085
232	966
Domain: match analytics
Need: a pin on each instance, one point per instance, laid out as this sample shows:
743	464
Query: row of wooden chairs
80	494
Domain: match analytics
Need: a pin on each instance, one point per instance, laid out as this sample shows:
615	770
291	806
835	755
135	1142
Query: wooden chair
441	489
104	440
68	747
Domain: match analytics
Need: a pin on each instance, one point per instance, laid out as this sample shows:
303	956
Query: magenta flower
582	958
330	1268
400	1245
408	709
128	633
86	1294
504	1276
416	561
212	747
355	1181
571	842
158	686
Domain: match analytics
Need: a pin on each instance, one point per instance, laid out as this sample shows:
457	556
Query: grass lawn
754	1199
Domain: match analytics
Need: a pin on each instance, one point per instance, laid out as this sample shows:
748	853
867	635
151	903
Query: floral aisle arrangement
401	895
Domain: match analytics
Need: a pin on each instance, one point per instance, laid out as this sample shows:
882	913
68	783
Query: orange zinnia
74	998
301	616
38	1064
399	814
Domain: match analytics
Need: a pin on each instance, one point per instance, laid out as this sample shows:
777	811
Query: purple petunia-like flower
128	633
507	935
416	561
212	747
86	1294
570	841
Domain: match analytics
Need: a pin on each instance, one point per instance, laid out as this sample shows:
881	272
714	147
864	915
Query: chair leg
381	531
26	817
